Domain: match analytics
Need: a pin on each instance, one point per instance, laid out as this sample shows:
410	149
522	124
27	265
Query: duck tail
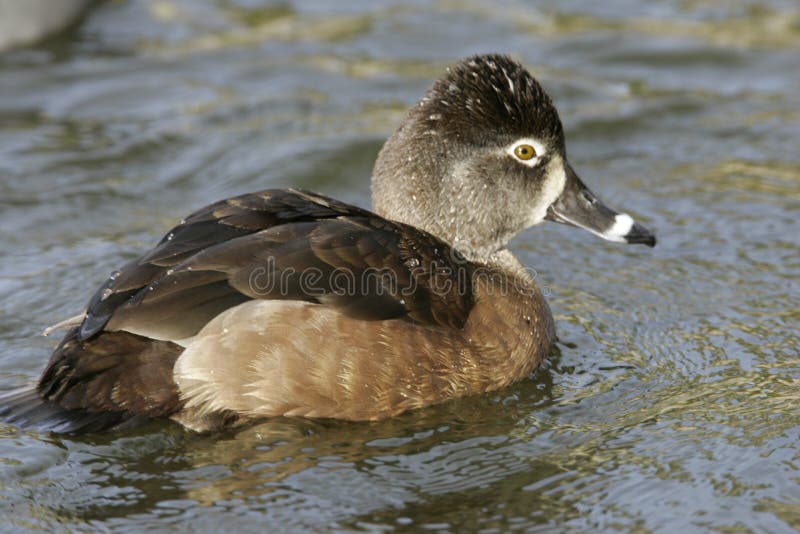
25	408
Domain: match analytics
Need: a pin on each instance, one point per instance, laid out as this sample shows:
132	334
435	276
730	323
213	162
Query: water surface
673	401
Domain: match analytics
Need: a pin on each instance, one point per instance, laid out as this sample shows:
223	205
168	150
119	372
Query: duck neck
504	260
424	189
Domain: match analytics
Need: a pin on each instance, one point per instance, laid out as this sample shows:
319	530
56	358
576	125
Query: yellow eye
524	152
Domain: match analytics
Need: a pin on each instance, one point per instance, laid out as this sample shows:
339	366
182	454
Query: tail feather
112	381
25	408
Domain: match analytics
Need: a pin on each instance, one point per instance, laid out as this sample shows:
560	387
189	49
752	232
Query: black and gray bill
577	206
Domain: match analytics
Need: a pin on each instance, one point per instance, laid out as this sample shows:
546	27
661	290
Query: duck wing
283	244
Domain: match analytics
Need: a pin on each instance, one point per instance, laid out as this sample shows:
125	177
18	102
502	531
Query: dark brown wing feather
283	244
208	226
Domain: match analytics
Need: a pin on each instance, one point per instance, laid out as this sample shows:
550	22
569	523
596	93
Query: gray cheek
523	188
534	182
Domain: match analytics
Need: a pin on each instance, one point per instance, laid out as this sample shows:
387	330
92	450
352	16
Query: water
673	401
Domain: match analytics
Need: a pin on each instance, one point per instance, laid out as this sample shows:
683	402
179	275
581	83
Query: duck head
481	157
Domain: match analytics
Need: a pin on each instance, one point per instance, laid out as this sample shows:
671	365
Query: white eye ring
538	148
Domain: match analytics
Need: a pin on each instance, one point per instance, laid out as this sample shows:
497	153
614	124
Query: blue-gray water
674	404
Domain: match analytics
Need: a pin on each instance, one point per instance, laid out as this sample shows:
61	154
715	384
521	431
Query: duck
288	303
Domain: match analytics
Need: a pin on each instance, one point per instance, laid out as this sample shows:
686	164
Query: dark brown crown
489	96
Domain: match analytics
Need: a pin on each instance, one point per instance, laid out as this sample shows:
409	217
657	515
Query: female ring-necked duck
289	303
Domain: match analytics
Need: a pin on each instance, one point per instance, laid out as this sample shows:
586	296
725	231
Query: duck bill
577	206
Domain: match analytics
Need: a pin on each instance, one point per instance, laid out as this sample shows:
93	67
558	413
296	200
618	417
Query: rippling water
673	401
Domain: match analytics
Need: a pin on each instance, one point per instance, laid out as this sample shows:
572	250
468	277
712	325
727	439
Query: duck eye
524	152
